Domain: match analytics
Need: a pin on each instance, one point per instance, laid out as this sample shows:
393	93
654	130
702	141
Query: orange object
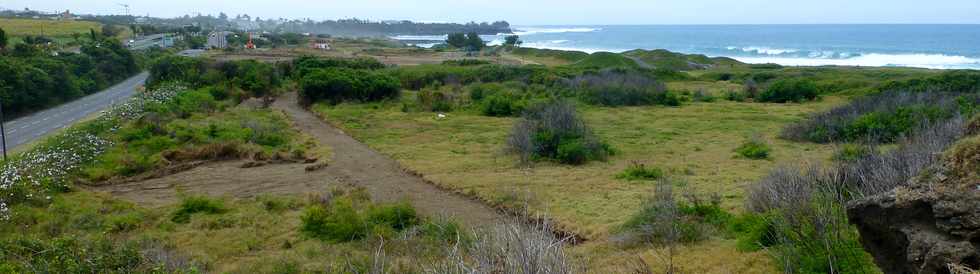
250	45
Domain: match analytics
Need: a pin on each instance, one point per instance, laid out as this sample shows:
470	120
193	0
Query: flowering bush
34	175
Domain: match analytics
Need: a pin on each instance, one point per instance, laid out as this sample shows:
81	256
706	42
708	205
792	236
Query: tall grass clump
663	220
196	205
349	218
509	248
883	117
555	131
620	87
755	148
807	203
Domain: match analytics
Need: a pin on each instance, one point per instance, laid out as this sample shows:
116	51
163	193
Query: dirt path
358	164
223	179
353	163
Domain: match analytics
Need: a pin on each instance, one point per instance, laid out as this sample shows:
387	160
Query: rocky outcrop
932	222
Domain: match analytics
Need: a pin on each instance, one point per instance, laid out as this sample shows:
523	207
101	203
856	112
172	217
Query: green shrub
339	222
888	126
437	100
755	148
852	152
336	85
70	254
502	106
196	204
964	81
665	221
753	231
397	216
790	90
735	96
638	171
554	131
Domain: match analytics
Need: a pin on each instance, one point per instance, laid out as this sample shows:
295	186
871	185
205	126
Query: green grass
606	60
50	28
462	152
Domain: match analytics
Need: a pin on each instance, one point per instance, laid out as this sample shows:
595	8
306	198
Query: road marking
12	131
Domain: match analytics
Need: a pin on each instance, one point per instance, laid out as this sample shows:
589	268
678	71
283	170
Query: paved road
26	129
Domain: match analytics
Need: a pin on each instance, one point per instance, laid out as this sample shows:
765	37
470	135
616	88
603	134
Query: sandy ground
353	163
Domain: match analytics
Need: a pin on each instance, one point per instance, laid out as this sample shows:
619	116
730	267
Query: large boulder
929	224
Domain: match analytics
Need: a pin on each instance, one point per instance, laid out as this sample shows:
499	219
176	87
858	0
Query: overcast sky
555	12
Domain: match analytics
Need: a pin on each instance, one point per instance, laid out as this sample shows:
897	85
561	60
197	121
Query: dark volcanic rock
930	223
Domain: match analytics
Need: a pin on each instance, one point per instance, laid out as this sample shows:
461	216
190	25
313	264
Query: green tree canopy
512	40
3	39
474	42
456	40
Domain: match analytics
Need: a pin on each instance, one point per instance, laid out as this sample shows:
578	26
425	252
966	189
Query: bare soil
353	163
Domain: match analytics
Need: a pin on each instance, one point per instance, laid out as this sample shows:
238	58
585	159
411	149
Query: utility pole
3	133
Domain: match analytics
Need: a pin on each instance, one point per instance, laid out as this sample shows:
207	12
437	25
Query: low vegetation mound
554	131
664	59
965	81
308	64
883	117
564	55
603	60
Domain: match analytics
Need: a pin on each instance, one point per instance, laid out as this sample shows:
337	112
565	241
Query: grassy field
694	144
50	28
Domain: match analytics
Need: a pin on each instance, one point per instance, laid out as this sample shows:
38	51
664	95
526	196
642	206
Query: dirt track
353	163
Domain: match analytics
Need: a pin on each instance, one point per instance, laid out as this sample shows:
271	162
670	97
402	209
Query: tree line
34	76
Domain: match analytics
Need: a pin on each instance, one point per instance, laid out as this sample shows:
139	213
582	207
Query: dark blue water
928	46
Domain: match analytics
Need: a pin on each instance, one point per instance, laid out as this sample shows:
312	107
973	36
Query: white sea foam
932	61
523	31
765	50
557	46
419	37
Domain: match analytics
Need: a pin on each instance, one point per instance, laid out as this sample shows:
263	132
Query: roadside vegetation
36	78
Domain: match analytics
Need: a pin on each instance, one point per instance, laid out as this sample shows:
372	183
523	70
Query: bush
437	100
755	148
638	171
960	81
194	205
664	221
397	216
790	90
621	88
501	105
882	117
852	152
339	222
336	85
554	131
735	96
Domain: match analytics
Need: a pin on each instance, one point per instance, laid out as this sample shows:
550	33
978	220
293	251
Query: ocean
923	46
